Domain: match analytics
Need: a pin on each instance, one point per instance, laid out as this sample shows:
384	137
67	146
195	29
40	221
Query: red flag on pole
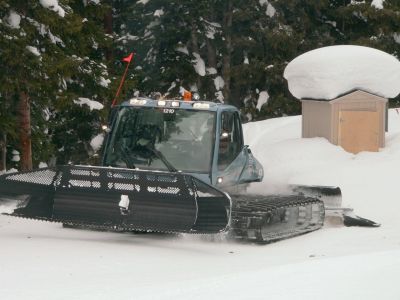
128	59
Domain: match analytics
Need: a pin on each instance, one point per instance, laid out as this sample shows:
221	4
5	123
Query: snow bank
328	72
364	178
93	105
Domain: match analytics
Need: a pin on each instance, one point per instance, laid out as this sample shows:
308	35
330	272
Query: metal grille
42	177
123	181
84	183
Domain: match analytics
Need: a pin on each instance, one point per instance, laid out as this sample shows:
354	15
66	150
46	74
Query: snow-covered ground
44	261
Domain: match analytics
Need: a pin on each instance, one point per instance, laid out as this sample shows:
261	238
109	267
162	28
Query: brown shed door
359	131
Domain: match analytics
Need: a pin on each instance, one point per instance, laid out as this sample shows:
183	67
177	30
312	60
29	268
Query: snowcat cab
203	139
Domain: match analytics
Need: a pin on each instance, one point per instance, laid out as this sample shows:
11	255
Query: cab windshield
153	138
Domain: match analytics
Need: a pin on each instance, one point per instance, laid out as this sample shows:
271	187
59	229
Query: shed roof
344	97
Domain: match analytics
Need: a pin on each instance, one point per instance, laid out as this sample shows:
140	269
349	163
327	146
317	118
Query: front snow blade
330	195
118	198
353	220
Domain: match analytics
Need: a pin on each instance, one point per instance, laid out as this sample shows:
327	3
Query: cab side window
231	140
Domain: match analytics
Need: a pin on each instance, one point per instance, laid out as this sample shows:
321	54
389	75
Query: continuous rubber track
265	219
260	219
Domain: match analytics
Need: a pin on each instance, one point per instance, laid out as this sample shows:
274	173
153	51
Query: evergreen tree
51	55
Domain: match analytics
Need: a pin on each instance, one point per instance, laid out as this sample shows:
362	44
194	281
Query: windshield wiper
126	157
161	156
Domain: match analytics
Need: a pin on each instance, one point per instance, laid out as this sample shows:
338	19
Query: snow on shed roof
328	72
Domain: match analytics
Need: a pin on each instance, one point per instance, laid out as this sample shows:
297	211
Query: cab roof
174	104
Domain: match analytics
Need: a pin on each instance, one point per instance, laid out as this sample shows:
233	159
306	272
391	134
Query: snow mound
328	72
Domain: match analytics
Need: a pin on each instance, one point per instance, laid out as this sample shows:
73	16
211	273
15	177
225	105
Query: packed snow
219	83
396	37
93	105
97	142
262	99
378	4
198	64
35	51
14	20
16	156
54	6
159	13
211	71
182	49
270	12
104	82
328	72
42	165
40	260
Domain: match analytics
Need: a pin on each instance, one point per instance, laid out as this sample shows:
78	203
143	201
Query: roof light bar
175	103
136	101
201	105
161	103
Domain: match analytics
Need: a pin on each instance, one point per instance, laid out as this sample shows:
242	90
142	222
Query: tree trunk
226	61
108	28
211	54
3	151
24	122
195	48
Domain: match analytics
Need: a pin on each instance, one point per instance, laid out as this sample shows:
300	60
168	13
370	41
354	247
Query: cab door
231	158
235	162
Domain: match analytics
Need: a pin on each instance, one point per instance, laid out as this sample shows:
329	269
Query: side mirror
247	147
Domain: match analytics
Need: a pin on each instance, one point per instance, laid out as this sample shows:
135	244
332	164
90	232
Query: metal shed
356	121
